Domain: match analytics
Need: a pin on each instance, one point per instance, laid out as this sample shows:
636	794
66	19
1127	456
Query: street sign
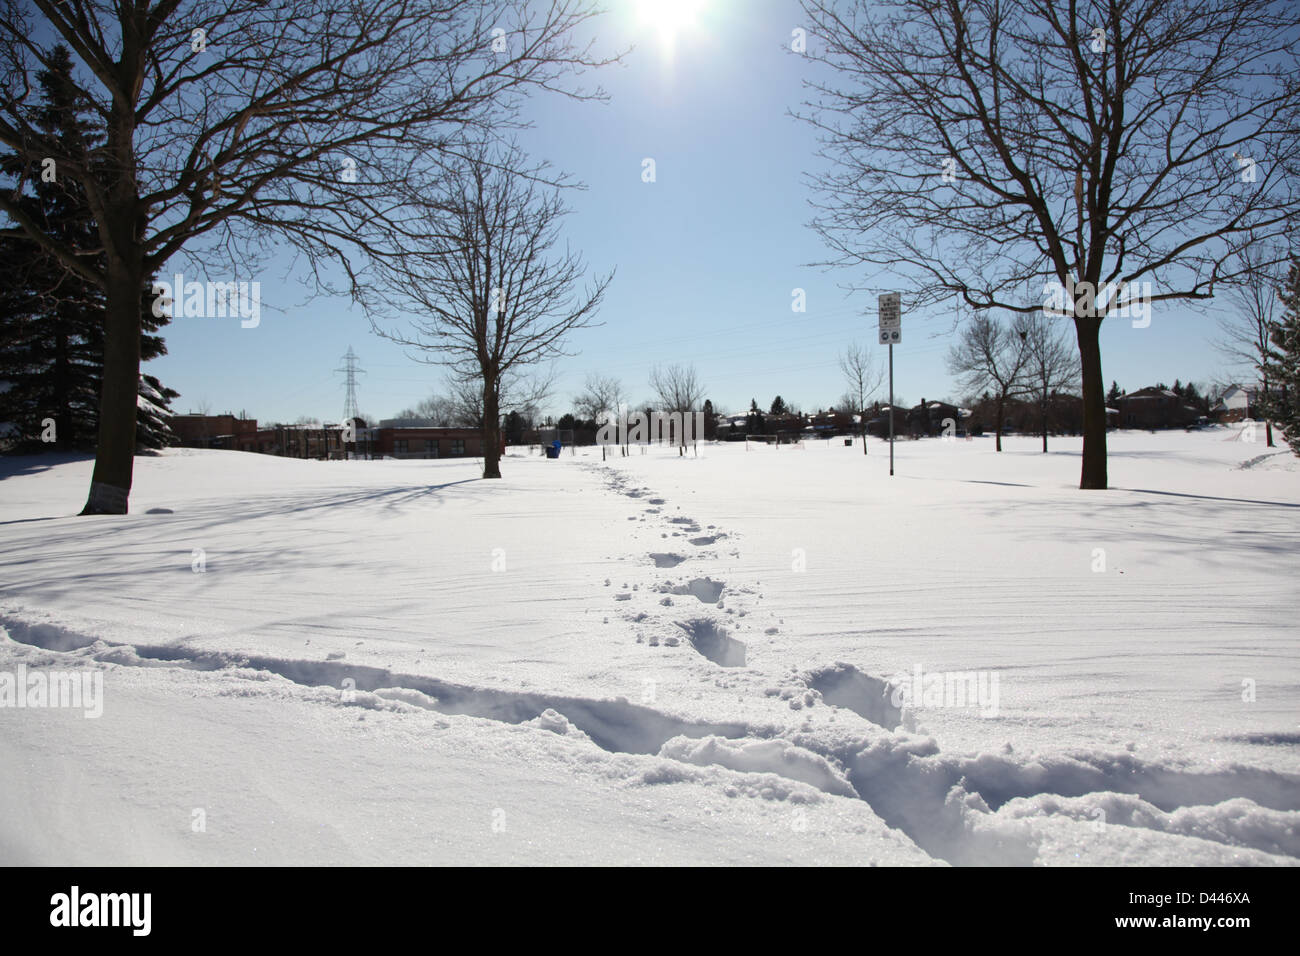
890	306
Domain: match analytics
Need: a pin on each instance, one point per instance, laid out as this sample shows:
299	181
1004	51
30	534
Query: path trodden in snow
761	656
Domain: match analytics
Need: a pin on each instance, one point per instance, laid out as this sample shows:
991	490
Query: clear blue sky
707	256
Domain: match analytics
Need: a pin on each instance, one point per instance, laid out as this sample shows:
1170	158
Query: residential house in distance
878	416
1155	408
1025	417
732	427
1237	404
930	418
830	424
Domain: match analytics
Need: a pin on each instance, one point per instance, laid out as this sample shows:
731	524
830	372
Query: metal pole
891	408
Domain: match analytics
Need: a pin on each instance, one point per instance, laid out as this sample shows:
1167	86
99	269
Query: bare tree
863	377
680	393
992	357
232	124
1052	363
1246	332
493	297
437	410
516	392
980	147
600	397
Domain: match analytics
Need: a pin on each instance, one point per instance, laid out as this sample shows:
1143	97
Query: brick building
429	442
213	431
1155	408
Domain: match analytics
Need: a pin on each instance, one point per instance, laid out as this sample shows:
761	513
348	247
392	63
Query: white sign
891	336
890	307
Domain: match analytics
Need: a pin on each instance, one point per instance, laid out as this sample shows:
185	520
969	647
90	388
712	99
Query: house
1237	404
1155	408
732	427
879	415
829	424
931	418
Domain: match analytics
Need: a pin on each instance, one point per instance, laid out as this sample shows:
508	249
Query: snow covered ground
758	655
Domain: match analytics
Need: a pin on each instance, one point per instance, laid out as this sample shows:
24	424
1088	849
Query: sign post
889	306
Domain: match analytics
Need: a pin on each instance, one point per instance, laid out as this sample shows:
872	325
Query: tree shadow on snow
17	466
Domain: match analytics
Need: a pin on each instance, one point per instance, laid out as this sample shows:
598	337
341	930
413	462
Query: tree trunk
491	429
1093	472
1268	418
1044	421
121	232
63	394
997	425
110	485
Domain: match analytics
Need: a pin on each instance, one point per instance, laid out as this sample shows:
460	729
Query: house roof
1145	393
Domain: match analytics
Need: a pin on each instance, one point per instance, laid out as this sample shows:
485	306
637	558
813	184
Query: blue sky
707	256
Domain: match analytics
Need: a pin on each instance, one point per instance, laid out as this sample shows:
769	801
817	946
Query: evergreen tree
514	428
778	406
52	322
1114	394
710	421
1284	361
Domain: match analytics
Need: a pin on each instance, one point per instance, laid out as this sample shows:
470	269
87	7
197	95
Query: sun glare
669	18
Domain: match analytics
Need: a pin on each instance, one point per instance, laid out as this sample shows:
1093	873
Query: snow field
662	660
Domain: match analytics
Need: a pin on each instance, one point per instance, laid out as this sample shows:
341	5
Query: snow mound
778	757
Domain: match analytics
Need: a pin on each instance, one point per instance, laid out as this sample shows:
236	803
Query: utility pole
350	370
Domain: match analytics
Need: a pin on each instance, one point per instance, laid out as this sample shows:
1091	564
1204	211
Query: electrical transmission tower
350	369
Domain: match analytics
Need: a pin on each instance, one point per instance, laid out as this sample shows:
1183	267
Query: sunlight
669	18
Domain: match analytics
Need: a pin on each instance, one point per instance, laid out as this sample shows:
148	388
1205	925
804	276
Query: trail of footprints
706	633
908	782
937	800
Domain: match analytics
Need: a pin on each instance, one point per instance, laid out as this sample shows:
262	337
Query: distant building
429	442
1155	408
931	418
878	416
213	431
1237	404
830	424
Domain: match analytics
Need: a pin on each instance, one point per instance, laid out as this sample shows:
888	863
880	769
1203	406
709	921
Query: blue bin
554	450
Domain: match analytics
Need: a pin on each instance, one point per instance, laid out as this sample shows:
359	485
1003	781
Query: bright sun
669	17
